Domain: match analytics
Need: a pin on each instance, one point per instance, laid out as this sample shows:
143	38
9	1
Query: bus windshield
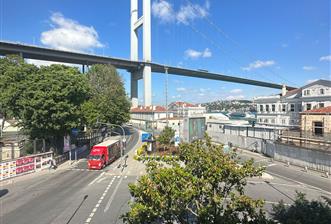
94	157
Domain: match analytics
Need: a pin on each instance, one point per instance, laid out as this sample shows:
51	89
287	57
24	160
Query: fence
311	158
25	165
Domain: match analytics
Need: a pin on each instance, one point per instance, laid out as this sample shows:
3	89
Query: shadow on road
3	192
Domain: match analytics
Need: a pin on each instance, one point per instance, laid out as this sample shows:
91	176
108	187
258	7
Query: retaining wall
312	158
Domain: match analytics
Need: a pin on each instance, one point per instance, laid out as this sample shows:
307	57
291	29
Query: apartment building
184	109
284	109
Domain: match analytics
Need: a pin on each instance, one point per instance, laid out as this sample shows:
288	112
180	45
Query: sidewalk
132	168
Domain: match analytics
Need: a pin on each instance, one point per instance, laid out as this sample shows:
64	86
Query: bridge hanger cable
217	45
248	54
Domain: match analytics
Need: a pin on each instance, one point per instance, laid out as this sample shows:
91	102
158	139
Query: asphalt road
292	174
74	194
54	196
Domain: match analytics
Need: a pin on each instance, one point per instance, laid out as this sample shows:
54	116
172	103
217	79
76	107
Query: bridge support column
134	90
147	74
143	22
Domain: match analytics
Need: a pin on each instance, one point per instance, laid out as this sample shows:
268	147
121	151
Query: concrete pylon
145	22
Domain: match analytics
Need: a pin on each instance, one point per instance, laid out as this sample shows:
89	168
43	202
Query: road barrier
25	165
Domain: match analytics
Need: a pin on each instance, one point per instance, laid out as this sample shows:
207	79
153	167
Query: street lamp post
123	139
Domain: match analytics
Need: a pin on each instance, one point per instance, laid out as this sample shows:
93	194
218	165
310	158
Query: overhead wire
214	43
224	34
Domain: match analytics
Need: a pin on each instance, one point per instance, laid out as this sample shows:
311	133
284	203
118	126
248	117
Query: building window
284	107
308	106
267	108
306	92
322	91
318	127
292	107
261	108
273	107
265	120
283	121
320	105
273	121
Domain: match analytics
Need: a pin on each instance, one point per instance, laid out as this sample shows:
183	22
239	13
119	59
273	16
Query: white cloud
236	97
67	34
181	89
39	63
308	68
325	58
236	91
258	64
163	10
194	54
189	12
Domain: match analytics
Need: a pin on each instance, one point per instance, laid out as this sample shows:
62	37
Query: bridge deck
47	54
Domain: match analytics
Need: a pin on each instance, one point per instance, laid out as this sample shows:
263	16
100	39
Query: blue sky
271	40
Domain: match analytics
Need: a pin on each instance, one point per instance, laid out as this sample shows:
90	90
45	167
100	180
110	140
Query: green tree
166	136
51	102
107	101
204	186
13	72
303	211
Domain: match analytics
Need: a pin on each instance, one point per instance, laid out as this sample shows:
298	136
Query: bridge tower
143	22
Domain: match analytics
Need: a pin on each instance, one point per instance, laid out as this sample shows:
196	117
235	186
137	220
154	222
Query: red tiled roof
143	109
322	110
185	104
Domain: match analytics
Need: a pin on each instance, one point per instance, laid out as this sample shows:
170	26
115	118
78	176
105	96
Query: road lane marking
98	177
113	195
99	181
300	183
88	220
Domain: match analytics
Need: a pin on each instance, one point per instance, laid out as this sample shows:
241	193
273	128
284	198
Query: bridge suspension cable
224	34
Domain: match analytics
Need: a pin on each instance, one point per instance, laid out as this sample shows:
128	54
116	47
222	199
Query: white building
183	109
146	116
284	109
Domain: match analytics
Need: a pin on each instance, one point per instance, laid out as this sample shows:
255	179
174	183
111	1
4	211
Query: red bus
104	153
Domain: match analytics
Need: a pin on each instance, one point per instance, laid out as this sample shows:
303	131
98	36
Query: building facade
284	109
317	121
184	109
146	117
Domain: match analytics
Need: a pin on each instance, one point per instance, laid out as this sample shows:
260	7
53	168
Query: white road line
88	220
113	195
92	182
300	183
101	179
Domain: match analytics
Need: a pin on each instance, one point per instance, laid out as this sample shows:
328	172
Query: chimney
284	90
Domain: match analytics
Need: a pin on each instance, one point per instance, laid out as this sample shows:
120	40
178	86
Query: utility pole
166	94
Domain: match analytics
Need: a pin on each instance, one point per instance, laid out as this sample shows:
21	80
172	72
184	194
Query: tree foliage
107	101
204	186
166	136
46	101
13	73
51	101
303	211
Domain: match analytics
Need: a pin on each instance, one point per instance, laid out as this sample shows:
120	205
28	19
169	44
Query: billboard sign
194	128
145	137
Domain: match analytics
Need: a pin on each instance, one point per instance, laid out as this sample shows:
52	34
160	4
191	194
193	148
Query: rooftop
148	109
322	110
